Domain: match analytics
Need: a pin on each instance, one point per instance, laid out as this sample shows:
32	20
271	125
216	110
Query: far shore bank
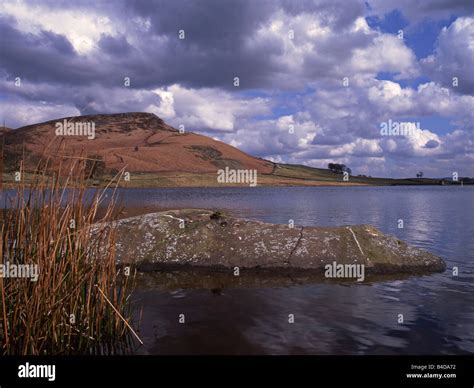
208	180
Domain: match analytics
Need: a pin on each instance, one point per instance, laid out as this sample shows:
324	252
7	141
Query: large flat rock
203	238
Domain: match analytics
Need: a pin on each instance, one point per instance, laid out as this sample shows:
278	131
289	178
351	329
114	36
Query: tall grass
80	303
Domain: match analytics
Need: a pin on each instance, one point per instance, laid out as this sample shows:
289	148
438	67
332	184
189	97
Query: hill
141	142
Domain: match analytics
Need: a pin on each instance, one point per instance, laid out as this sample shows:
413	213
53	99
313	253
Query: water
330	318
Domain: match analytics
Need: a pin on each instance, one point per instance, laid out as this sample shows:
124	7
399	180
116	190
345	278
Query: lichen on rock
215	240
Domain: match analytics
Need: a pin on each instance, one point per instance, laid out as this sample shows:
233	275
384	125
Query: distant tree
420	174
339	168
136	148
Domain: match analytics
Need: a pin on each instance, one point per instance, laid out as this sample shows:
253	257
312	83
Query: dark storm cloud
211	54
41	57
214	51
216	23
115	46
49	57
210	23
58	43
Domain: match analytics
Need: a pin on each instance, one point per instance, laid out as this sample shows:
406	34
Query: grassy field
320	175
282	175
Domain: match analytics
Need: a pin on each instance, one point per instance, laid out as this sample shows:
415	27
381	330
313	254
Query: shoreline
283	175
128	185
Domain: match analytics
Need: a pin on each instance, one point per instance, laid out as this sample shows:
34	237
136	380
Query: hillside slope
141	142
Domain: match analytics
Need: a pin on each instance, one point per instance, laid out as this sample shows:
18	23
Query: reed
80	303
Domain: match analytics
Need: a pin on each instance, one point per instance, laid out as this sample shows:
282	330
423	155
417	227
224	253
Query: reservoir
329	317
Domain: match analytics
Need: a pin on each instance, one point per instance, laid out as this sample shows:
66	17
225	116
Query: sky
305	81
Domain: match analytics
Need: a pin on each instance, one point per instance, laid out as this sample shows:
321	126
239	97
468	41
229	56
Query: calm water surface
333	318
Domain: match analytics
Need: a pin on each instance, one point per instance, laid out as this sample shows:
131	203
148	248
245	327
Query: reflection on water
251	316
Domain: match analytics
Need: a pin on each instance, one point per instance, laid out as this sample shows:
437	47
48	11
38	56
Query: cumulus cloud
386	53
207	109
453	60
